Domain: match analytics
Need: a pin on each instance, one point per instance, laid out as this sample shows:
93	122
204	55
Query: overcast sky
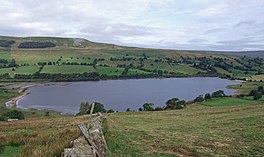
172	24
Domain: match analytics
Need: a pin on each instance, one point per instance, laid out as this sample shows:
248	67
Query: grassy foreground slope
195	131
39	137
38	134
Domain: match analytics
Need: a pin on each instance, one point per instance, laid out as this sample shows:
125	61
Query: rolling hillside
66	56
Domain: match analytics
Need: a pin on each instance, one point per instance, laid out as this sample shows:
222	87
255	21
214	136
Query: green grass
26	70
241	74
5	54
110	71
246	87
194	131
136	71
5	70
257	78
67	69
229	101
7	94
10	150
40	136
185	69
222	71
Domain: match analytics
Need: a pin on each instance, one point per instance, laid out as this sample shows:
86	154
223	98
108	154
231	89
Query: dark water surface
120	94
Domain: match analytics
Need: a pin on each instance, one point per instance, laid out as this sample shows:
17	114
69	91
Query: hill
241	53
71	59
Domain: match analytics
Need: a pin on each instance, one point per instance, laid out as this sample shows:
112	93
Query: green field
230	101
242	74
222	71
5	54
246	87
10	151
185	69
257	78
67	69
20	70
110	71
7	94
195	131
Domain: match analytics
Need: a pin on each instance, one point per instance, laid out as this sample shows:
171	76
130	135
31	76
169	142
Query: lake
120	94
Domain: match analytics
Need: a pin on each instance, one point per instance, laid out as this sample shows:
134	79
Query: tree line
7	64
28	45
6	43
171	104
93	76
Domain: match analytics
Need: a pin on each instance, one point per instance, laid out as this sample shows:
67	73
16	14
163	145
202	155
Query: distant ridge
84	43
259	53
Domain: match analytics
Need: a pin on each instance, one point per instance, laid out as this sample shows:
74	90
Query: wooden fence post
92	108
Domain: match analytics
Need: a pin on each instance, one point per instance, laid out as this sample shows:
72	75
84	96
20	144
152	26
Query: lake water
120	94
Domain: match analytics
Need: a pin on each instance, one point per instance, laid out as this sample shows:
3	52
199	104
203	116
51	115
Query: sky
222	25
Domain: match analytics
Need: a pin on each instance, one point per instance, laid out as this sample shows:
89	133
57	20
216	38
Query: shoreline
13	103
41	81
22	90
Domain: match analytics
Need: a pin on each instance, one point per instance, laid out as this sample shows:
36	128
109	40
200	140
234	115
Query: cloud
175	24
215	30
213	10
249	43
198	41
246	23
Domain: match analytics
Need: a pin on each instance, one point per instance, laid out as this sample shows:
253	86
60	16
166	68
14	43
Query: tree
94	63
175	103
158	109
148	107
84	108
2	118
172	101
145	56
257	96
140	109
217	94
36	45
241	95
12	63
14	114
207	96
110	111
160	72
128	110
260	88
199	99
47	113
6	43
253	92
98	107
125	71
